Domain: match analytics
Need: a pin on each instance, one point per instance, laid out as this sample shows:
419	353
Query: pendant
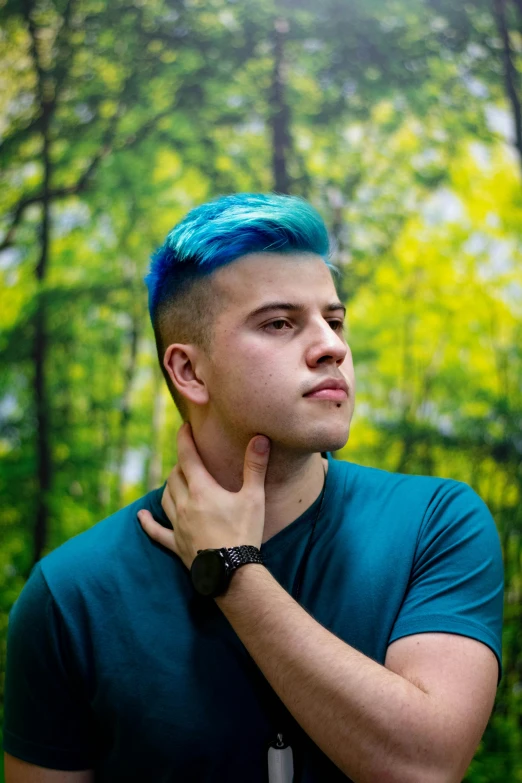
280	762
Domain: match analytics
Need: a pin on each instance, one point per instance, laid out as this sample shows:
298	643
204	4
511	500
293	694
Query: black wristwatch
212	569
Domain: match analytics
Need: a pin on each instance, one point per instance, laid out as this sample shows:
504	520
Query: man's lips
329	389
328	394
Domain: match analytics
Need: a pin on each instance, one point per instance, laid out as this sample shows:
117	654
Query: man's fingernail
261	445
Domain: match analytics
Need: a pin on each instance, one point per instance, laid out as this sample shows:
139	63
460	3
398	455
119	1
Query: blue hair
228	227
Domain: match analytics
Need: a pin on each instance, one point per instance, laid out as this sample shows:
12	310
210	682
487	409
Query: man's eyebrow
292	307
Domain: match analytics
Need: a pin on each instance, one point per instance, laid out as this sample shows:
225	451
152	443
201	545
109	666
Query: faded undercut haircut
183	303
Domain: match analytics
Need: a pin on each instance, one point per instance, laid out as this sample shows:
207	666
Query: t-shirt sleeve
47	719
457	580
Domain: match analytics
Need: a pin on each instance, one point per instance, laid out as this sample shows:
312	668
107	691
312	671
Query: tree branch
82	183
518	4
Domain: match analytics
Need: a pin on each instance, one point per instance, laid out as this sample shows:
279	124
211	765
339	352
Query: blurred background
400	120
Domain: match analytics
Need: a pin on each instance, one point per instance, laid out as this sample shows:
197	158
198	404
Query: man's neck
291	485
280	512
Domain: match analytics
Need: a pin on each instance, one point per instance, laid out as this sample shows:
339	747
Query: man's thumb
257	456
261	445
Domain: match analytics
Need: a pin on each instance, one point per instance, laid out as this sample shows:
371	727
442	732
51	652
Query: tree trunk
279	112
40	349
155	472
510	72
45	90
125	409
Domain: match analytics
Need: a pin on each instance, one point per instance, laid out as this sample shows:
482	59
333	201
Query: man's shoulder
422	499
436	501
393	481
97	551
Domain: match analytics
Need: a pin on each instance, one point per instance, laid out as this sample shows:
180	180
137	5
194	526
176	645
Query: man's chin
335	445
333	442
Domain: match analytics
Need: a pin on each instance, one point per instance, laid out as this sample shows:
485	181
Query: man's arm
18	771
418	719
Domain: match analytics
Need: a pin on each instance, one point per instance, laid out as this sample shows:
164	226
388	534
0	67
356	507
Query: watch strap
237	556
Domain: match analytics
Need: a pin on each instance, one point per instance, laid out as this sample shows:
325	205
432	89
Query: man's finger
156	531
168	505
189	460
177	485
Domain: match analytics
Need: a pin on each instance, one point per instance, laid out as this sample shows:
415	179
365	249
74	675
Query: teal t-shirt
115	663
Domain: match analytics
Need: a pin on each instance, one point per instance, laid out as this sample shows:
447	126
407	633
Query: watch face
209	572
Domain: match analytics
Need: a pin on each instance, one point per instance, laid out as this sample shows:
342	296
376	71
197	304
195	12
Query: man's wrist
238	579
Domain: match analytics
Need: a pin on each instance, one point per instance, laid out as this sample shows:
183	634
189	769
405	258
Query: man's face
262	364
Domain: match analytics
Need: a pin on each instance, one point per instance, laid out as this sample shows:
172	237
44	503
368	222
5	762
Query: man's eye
272	323
336	325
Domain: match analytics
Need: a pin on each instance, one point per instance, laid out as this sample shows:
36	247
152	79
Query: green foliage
397	129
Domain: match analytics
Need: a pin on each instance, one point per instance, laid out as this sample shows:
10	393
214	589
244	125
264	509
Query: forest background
400	120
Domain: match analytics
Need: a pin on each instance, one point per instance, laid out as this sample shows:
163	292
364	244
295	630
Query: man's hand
202	513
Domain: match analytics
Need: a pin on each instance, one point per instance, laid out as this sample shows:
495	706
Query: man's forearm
375	725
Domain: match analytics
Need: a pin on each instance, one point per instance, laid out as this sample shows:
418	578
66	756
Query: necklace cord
288	732
299	577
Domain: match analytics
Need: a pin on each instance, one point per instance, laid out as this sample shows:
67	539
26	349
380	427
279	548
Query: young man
266	615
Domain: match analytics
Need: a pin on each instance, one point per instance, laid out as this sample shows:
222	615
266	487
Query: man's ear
184	364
